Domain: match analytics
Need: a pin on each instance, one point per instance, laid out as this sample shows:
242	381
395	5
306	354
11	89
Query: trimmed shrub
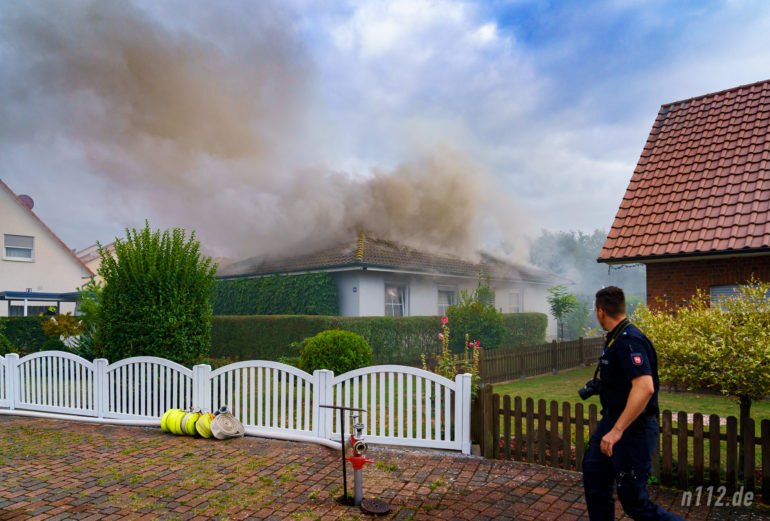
305	294
155	300
336	350
524	328
479	322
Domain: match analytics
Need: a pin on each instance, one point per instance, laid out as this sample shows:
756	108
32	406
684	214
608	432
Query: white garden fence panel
263	394
405	406
145	387
54	381
4	402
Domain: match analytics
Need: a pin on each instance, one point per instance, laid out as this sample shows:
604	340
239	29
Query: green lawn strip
563	388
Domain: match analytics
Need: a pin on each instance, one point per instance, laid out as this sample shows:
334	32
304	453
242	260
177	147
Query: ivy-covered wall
306	294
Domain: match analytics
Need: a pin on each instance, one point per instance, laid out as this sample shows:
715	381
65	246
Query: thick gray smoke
201	116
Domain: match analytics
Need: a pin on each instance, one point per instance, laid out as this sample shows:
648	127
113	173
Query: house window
719	293
18	246
395	300
514	302
446	298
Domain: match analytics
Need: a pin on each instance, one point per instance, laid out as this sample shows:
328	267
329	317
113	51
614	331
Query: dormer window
19	247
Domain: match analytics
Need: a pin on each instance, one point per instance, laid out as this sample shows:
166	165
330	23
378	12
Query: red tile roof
56	238
373	253
702	184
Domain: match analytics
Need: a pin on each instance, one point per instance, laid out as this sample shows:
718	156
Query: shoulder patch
636	358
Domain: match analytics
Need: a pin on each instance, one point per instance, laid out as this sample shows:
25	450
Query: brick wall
676	282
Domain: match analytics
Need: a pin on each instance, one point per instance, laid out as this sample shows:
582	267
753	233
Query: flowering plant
449	365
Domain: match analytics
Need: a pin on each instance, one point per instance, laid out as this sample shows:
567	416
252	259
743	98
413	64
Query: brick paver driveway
66	470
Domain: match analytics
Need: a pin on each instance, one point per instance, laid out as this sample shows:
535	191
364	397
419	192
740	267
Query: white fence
403	405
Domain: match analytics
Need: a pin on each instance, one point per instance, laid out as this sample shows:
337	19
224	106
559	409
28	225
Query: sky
278	127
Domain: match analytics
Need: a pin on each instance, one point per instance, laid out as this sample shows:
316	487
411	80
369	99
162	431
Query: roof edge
683	256
39	220
725	91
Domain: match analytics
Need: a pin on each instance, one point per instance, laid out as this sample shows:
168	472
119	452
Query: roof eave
713	254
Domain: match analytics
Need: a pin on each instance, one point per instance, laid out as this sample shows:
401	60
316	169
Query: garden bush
524	328
336	350
155	300
25	335
305	294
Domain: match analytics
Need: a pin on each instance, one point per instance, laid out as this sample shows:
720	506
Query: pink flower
470	344
444	319
477	347
440	336
477	344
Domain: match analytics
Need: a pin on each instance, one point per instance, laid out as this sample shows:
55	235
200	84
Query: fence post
322	379
581	352
765	437
11	379
201	398
521	362
554	357
100	387
463	412
485	391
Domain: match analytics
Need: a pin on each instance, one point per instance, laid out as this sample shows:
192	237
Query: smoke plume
201	117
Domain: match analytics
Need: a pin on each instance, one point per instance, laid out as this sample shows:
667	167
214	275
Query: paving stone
69	470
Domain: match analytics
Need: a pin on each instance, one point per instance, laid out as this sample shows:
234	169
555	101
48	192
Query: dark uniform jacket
627	354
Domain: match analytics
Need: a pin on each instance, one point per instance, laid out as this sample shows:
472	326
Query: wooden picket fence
510	363
689	454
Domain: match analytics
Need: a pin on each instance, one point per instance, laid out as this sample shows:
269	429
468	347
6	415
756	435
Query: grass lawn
563	388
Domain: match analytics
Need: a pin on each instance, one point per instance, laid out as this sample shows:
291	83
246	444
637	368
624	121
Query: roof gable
46	228
702	184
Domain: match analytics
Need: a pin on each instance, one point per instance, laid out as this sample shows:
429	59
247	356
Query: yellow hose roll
203	425
165	424
176	422
188	423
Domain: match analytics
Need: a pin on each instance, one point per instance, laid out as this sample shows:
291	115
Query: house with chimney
37	270
697	209
376	277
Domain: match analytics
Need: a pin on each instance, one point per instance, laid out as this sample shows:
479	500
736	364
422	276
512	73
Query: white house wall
348	292
52	269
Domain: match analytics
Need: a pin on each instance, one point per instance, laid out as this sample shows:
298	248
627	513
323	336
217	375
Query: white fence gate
403	405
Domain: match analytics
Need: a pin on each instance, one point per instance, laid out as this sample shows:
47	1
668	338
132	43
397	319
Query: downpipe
250	431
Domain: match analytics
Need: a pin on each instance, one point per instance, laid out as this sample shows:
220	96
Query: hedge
26	335
305	294
393	339
524	328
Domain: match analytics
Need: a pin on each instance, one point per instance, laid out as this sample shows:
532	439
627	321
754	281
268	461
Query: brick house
697	209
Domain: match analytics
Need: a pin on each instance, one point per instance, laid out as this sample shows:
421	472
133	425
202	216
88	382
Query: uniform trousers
628	468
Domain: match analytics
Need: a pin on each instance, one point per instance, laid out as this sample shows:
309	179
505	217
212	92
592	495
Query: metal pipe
359	488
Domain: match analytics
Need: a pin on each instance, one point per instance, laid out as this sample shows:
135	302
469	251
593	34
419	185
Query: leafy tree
155	299
475	316
724	347
579	320
562	304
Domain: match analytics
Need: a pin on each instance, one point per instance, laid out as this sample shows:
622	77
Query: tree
562	304
724	347
155	299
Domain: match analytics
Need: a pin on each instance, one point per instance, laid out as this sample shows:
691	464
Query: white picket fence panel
145	387
263	394
403	405
4	402
53	381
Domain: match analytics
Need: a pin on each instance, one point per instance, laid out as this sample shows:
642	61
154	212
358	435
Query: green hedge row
393	339
26	335
524	328
305	294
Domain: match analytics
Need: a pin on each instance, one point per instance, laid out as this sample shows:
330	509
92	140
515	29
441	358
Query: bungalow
697	209
37	269
376	277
